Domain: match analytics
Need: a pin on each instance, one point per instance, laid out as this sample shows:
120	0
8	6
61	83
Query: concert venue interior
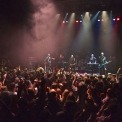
46	49
79	27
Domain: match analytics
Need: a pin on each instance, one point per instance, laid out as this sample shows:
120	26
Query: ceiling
87	5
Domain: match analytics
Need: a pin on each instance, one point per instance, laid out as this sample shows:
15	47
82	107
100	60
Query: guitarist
102	64
48	62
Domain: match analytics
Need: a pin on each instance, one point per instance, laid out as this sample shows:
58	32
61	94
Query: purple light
114	19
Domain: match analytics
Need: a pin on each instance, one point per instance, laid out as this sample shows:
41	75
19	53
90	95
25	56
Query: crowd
60	96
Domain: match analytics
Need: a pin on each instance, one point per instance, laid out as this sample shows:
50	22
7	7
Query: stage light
114	19
118	19
77	21
72	19
95	17
81	17
104	12
65	18
98	20
63	22
105	17
87	13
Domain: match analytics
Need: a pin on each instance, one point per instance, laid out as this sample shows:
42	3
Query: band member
92	59
48	62
72	62
92	62
61	61
102	64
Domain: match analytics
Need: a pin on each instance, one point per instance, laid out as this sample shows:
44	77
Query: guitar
101	65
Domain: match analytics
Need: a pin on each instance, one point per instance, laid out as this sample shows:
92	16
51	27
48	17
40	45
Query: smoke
28	29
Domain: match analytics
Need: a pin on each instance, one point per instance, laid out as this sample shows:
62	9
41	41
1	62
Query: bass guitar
101	65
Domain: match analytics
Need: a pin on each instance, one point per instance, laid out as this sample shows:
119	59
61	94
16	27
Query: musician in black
102	64
72	62
48	63
60	61
92	63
